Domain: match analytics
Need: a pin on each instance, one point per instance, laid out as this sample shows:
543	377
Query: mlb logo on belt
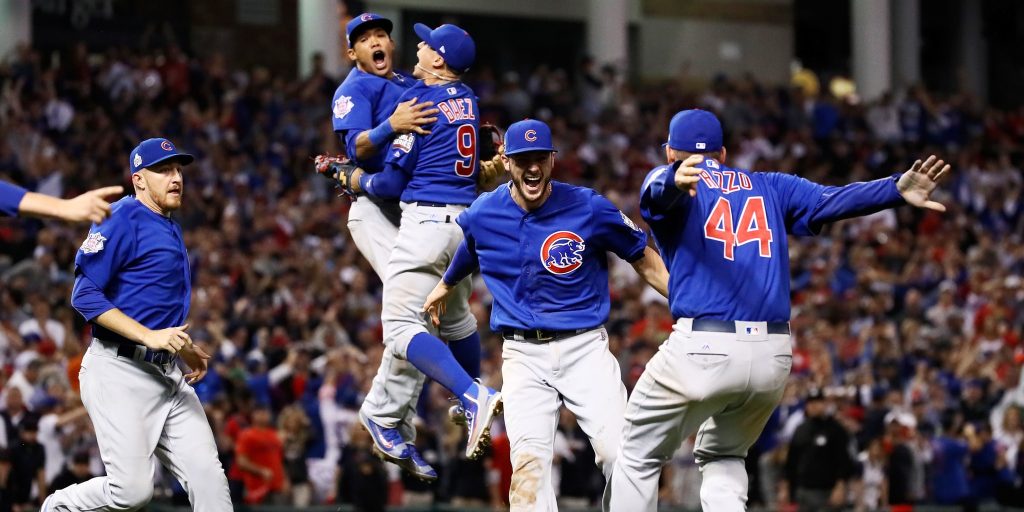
562	252
753	330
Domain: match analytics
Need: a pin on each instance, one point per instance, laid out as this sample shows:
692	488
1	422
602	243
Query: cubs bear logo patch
562	252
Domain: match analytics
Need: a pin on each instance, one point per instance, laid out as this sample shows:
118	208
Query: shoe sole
475	452
407	465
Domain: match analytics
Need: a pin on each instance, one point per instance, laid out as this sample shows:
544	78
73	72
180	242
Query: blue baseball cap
695	131
454	44
154	151
364	21
528	135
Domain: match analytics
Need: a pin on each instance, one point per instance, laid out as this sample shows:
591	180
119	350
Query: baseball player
435	176
722	233
367	114
90	206
541	246
133	285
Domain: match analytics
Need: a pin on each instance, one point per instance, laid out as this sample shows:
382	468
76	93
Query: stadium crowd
907	323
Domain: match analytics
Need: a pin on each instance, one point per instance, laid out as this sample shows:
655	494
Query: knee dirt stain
526	473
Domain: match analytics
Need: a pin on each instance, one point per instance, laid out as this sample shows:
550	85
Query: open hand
916	185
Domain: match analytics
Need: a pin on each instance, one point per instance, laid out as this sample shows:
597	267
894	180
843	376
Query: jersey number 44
751	228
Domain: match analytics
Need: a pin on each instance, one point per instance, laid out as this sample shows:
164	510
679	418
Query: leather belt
131	350
540	335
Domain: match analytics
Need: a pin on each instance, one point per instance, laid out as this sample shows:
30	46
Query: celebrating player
90	206
367	114
550	300
133	284
435	176
722	233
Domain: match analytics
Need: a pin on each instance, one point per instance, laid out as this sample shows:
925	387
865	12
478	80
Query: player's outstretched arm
412	117
652	269
464	261
91	206
917	184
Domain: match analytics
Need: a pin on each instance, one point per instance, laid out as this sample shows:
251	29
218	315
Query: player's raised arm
652	268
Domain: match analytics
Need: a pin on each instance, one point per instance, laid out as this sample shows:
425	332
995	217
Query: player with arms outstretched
542	247
722	233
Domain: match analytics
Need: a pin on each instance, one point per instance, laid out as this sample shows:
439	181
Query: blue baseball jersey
726	248
440	167
362	102
10	198
548	268
137	260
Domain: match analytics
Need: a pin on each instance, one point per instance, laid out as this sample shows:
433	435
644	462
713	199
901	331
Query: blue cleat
387	441
481	405
418	467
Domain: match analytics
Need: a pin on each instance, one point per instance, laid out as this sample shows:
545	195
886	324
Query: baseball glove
492	170
340	170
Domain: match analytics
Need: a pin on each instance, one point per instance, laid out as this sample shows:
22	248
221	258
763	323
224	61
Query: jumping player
435	176
367	115
722	233
133	285
541	246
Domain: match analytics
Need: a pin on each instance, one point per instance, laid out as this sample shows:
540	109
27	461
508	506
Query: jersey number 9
465	142
752	227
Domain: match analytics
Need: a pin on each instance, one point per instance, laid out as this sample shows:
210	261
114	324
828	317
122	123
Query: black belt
540	334
431	204
128	349
708	325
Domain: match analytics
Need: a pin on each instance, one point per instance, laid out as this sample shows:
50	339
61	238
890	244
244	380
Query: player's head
369	43
444	53
529	157
694	132
156	167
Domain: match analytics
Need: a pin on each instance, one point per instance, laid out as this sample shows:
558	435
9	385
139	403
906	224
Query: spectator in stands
819	464
260	455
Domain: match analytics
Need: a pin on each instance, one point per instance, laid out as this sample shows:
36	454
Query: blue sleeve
351	114
616	232
107	248
10	198
387	184
808	206
660	195
88	299
464	262
398	168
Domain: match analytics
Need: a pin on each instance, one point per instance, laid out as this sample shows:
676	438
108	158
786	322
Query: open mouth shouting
533	184
380	61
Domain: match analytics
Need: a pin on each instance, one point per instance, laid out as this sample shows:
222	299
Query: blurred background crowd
906	383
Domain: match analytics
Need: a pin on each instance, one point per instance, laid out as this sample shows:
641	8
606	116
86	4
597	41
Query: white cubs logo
93	243
342	106
167	146
366	17
530	135
562	252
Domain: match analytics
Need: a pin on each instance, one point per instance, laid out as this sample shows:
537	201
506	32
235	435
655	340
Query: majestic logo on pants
562	252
